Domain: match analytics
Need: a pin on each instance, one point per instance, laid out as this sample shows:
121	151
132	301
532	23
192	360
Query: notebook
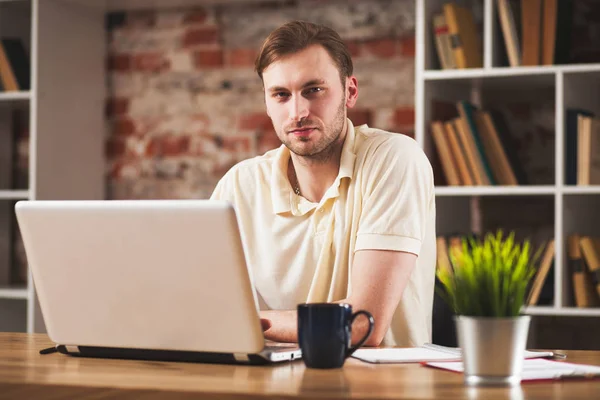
426	353
538	370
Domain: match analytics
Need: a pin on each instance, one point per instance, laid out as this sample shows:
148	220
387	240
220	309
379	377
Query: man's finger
265	323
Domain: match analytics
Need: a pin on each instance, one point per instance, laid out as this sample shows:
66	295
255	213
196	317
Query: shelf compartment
526	126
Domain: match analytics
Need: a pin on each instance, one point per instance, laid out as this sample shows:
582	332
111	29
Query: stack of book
475	150
584	265
536	32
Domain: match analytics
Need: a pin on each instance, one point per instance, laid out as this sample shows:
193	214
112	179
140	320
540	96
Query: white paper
535	369
425	353
403	355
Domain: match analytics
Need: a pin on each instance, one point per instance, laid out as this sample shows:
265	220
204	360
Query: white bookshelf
575	209
65	111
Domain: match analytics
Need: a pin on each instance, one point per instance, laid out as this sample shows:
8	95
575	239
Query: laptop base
161	355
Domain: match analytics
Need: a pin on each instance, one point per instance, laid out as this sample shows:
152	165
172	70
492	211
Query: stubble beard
326	147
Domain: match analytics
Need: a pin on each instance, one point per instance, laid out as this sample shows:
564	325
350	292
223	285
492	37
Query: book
549	19
494	150
442	42
585	295
508	12
466	43
466	110
591	253
542	272
454	142
428	352
571	142
531	27
537	369
446	157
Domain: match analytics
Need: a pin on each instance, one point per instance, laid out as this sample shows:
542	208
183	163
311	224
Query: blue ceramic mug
325	333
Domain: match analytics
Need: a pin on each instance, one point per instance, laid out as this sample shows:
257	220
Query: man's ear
351	91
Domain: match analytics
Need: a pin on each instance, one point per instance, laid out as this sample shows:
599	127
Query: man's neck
313	177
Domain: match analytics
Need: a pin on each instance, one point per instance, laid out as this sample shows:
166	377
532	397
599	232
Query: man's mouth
302	131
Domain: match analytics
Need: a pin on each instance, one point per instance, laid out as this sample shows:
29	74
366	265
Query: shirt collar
282	195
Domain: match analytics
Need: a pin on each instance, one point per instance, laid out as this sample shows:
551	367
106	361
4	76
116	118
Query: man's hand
265	323
282	326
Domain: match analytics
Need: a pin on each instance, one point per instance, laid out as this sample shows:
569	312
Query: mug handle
364	339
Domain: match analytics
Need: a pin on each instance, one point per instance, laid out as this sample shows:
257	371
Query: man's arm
378	281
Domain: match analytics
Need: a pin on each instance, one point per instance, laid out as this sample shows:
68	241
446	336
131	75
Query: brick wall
185	103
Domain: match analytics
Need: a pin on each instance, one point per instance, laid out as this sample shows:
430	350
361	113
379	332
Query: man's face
307	101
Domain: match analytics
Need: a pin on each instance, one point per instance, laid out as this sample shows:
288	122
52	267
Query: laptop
145	279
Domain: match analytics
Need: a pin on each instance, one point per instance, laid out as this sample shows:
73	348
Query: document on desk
538	369
426	353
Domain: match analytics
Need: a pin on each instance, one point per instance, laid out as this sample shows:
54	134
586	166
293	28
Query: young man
337	213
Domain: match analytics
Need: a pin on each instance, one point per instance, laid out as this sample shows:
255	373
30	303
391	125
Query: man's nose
299	108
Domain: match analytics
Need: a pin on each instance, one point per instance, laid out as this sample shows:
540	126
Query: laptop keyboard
282	347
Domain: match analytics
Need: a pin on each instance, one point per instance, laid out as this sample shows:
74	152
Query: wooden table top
25	374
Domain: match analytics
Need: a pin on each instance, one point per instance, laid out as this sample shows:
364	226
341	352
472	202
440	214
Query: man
337	213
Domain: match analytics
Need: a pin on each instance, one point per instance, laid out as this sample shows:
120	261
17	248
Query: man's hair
296	36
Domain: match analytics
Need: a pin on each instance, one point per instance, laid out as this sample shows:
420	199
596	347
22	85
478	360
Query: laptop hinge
241	357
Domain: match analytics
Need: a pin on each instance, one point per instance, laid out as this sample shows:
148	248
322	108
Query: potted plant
486	286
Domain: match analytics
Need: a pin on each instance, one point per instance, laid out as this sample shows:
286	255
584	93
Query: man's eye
280	95
314	90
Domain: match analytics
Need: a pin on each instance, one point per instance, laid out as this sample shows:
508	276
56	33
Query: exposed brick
119	62
117	106
359	116
160	150
383	118
407	45
150	62
141	19
169	145
382	48
353	48
208	58
405	116
241	57
267	140
126	169
114	147
236	144
254	122
195	16
200	36
124	127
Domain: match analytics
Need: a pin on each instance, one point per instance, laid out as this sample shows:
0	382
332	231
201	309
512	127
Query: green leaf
489	275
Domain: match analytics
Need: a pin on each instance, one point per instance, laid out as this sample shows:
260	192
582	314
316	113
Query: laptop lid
147	274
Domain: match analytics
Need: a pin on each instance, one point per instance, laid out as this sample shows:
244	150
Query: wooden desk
25	374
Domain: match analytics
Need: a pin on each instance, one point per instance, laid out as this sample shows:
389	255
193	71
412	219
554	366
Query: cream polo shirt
299	251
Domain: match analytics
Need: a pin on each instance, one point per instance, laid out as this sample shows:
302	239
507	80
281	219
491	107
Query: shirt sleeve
398	199
225	188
